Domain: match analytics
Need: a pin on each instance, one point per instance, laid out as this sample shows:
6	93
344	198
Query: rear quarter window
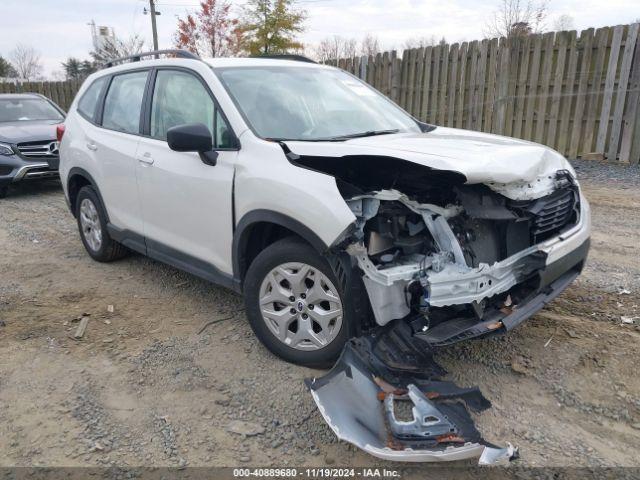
87	106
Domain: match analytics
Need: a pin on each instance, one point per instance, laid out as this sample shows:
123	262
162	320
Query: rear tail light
59	132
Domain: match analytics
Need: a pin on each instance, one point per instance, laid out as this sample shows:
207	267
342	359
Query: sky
59	28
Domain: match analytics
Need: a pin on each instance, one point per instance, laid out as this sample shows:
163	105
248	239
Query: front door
186	204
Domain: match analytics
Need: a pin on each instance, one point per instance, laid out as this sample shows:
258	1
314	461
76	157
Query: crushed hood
480	157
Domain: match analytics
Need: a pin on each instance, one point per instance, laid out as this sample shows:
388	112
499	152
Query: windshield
25	109
312	104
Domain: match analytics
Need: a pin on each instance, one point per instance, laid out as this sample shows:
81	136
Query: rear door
115	145
186	204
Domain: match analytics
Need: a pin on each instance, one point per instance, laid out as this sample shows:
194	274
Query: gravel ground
143	387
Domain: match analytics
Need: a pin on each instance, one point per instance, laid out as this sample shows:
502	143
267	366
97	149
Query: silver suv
329	207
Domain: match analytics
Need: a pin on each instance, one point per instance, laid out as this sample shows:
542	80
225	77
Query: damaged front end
391	404
442	260
467	261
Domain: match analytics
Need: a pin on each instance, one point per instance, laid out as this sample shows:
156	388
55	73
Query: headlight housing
6	150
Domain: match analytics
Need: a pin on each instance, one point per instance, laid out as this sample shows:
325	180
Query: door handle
92	146
146	158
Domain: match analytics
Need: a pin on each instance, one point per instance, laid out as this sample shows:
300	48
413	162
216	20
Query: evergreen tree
271	26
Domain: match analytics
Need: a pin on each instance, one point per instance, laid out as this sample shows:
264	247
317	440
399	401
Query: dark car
28	144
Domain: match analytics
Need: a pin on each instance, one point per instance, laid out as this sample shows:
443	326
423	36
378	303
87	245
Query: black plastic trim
191	265
178	53
83	173
170	256
242	234
129	239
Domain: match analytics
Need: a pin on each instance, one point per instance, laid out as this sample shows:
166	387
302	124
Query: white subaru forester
329	207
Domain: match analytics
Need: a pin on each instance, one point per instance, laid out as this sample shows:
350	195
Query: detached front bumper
358	399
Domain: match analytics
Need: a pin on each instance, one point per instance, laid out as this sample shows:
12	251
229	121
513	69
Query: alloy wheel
90	223
301	306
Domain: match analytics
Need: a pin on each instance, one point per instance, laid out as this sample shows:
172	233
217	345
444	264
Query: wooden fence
61	93
577	94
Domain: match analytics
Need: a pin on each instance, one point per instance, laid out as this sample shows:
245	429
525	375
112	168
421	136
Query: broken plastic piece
349	398
498	456
428	421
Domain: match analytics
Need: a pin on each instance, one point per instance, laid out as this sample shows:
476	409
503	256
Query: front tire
295	304
92	224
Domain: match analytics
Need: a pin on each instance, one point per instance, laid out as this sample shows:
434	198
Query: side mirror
193	137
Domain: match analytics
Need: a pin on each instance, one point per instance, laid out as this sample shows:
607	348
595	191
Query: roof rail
138	56
296	58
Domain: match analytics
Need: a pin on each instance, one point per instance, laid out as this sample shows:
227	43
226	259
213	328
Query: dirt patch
143	387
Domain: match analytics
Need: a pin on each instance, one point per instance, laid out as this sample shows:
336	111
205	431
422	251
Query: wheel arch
78	178
260	228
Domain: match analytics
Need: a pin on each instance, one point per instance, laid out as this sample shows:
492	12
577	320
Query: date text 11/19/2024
318	472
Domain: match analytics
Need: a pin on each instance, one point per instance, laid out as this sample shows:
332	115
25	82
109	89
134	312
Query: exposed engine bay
454	254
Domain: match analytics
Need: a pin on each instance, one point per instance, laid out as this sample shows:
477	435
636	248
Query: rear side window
89	101
124	101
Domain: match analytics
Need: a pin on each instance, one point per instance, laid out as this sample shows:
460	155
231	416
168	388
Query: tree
270	26
6	69
75	69
26	61
72	68
563	23
420	42
517	18
333	48
88	67
187	35
211	31
370	45
113	48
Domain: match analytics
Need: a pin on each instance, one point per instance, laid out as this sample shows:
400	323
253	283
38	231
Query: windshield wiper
370	133
338	138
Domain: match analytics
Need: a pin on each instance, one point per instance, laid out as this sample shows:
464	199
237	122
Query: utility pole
152	8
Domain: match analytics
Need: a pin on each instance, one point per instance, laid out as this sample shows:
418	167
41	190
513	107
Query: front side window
124	101
179	98
313	104
24	109
89	101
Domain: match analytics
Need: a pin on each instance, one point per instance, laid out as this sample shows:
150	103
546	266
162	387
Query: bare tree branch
370	45
333	48
563	23
26	61
420	42
517	18
115	48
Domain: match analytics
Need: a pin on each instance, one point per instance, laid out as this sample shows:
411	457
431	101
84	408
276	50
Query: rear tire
3	192
306	319
92	225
